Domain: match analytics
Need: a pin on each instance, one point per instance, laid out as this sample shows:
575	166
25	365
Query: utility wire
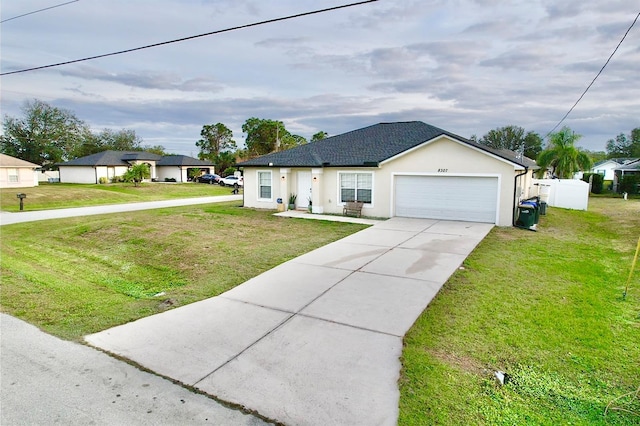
595	78
255	24
39	10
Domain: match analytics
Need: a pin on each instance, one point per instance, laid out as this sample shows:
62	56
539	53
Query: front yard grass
64	195
547	309
81	275
544	307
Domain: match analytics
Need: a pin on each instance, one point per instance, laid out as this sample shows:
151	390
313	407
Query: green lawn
77	276
60	195
547	309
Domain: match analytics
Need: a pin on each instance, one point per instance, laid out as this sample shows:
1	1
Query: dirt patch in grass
461	362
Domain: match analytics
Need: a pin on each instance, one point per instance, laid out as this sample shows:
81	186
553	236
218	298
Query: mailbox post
21	196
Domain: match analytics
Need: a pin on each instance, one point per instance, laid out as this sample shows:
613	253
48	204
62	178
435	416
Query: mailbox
21	196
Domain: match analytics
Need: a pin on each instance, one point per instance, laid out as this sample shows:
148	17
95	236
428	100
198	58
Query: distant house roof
182	160
632	165
369	147
619	161
13	162
122	158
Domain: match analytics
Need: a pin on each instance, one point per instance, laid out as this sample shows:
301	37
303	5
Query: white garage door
472	199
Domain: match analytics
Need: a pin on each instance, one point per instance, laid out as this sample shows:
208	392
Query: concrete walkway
7	218
316	340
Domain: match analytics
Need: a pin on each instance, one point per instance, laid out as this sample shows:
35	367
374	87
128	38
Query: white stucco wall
78	174
171	172
88	174
27	177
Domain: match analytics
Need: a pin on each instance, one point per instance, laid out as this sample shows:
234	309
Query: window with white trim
264	185
356	187
13	175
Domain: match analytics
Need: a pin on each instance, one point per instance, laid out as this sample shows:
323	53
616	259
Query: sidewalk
7	218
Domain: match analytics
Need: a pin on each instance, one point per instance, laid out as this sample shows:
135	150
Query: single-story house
631	167
17	173
606	167
110	164
409	169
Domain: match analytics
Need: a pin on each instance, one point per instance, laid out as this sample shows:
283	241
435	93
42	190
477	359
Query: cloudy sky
463	65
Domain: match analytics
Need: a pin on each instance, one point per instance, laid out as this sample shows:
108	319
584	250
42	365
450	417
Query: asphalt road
45	380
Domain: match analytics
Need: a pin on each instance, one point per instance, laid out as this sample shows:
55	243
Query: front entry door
304	190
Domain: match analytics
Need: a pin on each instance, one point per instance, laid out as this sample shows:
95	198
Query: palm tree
562	155
137	173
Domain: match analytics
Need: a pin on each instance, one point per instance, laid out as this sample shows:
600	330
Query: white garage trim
466	197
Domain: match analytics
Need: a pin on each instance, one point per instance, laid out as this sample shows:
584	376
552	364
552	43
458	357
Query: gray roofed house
110	164
369	146
607	168
410	169
629	168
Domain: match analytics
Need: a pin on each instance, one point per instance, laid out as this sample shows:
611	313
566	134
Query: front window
356	187
13	175
264	185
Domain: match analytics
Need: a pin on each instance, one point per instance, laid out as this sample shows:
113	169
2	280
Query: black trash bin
543	208
536	209
526	216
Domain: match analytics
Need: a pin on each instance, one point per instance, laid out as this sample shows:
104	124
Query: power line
39	10
595	78
268	21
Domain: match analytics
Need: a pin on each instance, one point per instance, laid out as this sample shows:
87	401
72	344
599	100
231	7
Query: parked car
209	178
232	181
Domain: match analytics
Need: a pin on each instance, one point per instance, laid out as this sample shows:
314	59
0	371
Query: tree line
263	136
48	135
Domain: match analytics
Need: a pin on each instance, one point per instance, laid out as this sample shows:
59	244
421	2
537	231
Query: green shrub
102	180
596	181
630	184
229	171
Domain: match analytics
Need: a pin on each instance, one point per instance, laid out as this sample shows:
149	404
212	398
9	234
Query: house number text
443	170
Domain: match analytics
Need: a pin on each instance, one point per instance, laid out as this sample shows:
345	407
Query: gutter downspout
515	180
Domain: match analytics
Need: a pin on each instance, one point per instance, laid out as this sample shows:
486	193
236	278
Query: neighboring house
110	164
17	173
631	167
606	167
408	169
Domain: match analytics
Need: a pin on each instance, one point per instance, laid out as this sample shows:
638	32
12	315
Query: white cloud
466	66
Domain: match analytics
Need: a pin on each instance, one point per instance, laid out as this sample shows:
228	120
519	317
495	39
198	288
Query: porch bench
353	208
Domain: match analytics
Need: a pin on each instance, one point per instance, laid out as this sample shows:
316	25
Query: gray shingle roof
620	161
182	160
121	158
368	147
631	166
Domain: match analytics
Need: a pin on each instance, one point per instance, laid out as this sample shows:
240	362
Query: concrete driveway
316	340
